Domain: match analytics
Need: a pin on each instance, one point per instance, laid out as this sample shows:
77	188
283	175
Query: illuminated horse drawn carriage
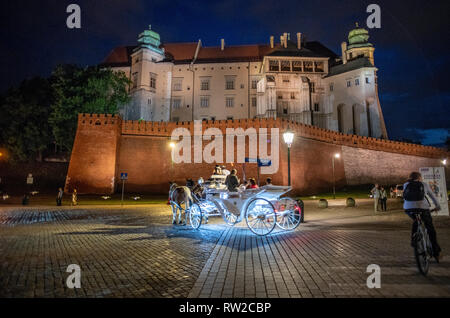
263	209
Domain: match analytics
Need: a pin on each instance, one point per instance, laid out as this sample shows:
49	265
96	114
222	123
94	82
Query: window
349	83
286	79
280	96
229	117
229	101
292	95
229	83
204	101
254	84
285	66
350	56
307	66
296	66
313	87
274	65
319	66
285	106
135	80
242	86
153	80
357	82
177	84
367	80
204	86
331	87
176	103
316	107
253	101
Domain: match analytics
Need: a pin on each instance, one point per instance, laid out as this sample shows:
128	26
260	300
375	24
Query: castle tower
151	80
358	45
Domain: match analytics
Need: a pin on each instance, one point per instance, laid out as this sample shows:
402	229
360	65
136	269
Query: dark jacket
232	182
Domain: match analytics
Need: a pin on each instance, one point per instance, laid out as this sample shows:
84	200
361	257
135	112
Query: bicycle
423	249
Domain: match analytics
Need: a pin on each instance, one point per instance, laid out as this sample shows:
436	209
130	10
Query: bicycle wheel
420	251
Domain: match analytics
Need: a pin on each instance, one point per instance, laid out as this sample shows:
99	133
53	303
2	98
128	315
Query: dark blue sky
412	48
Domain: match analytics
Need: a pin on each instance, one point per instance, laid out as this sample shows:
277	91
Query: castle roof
183	53
351	65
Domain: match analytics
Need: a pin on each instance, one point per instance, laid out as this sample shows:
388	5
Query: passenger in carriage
243	186
232	181
269	181
253	184
217	170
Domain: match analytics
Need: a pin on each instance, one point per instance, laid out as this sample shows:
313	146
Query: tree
24	111
83	90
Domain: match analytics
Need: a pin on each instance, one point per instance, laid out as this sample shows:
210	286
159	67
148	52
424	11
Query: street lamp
288	137
444	162
337	156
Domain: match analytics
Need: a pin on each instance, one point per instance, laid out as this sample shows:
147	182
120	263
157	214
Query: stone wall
105	146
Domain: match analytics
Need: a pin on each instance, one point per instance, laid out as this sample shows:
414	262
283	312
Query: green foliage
88	90
43	112
24	112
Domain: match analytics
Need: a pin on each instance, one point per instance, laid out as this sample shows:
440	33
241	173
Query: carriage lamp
335	156
444	161
288	137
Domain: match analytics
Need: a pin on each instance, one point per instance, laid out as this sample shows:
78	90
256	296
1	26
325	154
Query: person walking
383	198
232	181
59	197
376	196
74	197
416	202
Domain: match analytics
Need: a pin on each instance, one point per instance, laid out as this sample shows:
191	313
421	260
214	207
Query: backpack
414	191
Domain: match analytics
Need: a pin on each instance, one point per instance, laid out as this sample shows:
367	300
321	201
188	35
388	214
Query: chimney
222	44
285	39
344	52
299	40
271	41
281	40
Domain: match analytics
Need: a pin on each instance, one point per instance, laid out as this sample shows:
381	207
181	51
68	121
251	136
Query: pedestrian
59	197
383	198
416	202
232	181
253	184
392	192
269	181
74	197
376	196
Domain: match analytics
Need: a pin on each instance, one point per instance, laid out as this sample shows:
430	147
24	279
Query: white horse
177	196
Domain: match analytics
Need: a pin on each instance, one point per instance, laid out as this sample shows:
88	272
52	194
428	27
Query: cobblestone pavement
134	252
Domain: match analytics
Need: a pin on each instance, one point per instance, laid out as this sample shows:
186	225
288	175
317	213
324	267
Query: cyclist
415	201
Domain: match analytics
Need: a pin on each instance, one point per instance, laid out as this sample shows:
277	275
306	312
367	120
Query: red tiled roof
184	53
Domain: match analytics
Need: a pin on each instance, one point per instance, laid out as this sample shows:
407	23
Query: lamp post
288	137
337	156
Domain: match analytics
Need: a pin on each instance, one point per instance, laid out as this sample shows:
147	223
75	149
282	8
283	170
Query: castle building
292	79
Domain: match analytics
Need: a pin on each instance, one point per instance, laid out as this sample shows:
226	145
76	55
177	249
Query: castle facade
291	79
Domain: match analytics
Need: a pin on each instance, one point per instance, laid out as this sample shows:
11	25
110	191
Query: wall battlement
145	128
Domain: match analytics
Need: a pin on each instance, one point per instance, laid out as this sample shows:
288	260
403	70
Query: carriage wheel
195	216
289	213
229	217
260	216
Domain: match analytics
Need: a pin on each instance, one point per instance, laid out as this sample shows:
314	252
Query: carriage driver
232	181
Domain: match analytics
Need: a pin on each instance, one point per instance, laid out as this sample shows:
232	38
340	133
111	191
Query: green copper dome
151	40
358	37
